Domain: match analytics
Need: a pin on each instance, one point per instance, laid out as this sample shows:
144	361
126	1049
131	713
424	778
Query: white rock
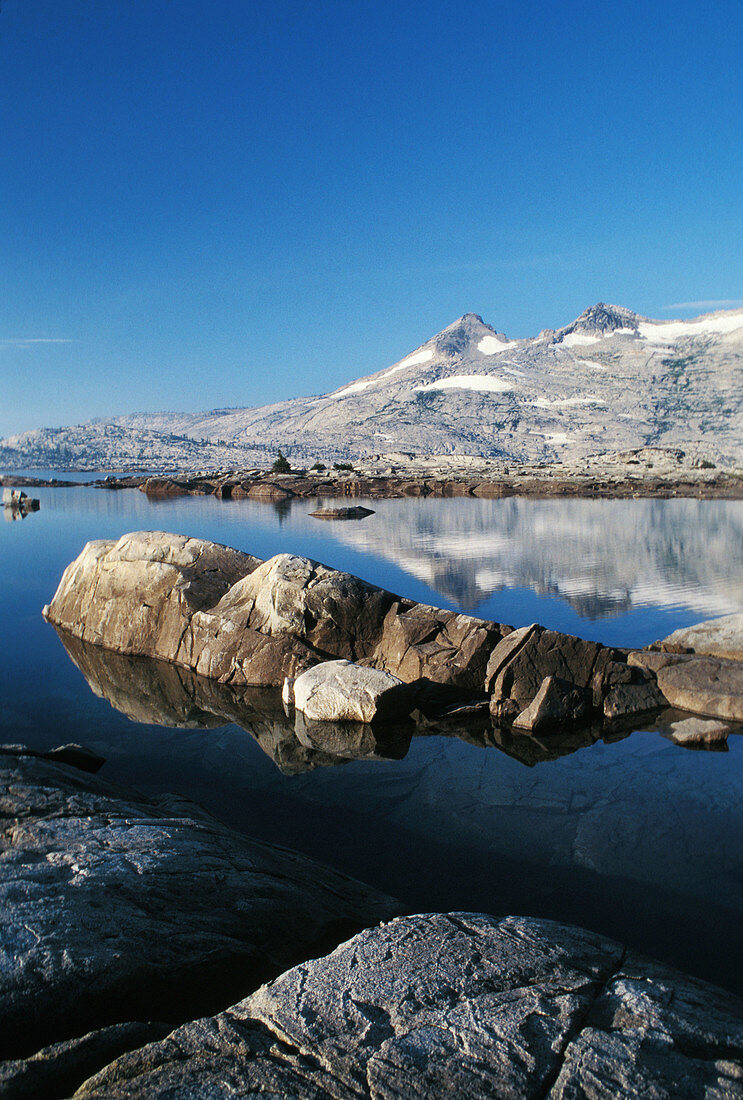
338	691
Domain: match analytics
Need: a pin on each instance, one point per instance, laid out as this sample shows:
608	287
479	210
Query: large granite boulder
224	614
454	1005
705	686
121	908
230	617
139	594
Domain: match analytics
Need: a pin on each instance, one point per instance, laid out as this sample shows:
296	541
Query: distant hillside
609	381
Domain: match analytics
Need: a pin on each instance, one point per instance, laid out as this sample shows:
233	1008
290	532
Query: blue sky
228	203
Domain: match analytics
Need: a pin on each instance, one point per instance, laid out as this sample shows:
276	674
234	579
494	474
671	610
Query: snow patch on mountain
423	356
491	345
486	383
664	332
576	339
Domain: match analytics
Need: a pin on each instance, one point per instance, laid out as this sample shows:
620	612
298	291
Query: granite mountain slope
609	381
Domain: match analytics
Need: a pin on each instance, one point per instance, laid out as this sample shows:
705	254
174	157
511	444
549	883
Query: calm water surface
637	837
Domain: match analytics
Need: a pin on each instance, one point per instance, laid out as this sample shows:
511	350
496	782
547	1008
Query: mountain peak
602	319
457	337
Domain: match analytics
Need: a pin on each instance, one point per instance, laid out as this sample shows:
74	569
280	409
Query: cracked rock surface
120	908
455	1005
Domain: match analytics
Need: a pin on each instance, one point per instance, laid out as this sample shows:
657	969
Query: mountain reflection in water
602	557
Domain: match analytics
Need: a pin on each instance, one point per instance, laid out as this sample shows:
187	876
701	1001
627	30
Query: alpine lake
629	834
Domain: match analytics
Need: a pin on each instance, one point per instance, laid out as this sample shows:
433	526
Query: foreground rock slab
119	908
455	1005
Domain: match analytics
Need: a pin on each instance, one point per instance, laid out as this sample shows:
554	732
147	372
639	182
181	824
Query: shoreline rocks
460	1005
655	472
118	908
528	480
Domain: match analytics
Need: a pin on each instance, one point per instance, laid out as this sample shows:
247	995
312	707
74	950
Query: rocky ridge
609	381
228	616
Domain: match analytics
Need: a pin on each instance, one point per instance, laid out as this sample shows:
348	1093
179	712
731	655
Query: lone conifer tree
281	465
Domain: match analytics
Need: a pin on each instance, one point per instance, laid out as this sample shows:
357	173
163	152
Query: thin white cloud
711	303
26	341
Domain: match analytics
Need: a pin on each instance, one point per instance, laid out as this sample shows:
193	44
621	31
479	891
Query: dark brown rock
419	641
633	698
556	701
518	666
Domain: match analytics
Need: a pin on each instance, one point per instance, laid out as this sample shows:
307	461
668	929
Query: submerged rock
700	732
118	908
456	1005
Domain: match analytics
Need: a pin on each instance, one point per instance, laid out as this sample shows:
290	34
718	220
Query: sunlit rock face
230	617
609	381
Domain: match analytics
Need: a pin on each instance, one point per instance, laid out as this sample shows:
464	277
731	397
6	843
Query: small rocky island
231	617
138	931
